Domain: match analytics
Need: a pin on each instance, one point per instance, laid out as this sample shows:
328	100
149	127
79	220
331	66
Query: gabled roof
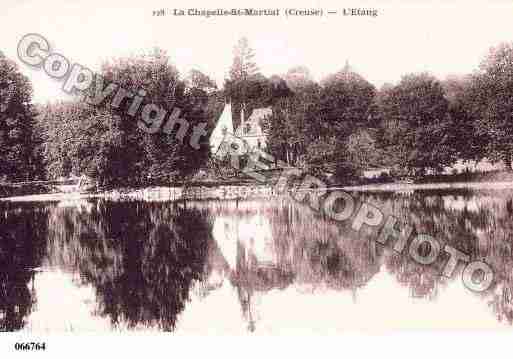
254	122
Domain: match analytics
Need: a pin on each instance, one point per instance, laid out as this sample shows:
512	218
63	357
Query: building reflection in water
270	246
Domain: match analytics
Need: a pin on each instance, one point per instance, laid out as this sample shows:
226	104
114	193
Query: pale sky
449	37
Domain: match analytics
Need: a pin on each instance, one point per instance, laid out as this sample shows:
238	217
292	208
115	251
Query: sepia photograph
193	169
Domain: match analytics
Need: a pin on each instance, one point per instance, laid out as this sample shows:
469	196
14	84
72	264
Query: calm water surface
227	267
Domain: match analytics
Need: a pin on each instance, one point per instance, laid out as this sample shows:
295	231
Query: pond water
231	267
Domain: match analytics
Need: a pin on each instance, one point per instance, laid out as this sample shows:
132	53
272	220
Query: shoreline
399	187
244	192
158	194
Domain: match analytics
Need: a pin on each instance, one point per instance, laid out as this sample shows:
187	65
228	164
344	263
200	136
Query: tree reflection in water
145	260
22	245
477	223
141	258
313	252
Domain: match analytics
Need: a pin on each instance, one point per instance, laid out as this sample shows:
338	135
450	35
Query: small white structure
75	184
375	172
484	165
249	130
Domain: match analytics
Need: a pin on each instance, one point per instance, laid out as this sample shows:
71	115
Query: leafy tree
416	124
492	99
343	108
243	66
362	149
197	79
313	126
17	160
274	89
79	139
298	77
467	143
345	101
206	94
105	141
245	82
292	117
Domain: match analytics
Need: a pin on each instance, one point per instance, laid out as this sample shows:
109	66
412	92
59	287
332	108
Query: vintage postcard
257	169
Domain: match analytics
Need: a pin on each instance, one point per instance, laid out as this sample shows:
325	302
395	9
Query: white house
249	130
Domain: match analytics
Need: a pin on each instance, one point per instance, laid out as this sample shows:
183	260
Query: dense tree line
104	141
420	125
341	125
